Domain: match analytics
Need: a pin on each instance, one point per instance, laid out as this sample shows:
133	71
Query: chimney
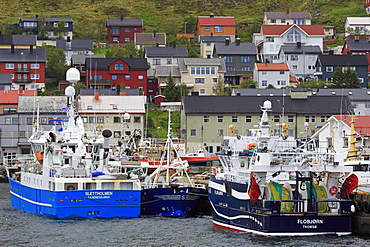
299	44
154	33
287	11
68	39
211	34
122	17
174	44
237	41
96	96
130	55
12	48
227	41
211	15
31	48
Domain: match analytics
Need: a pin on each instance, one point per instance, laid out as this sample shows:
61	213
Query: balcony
101	82
317	73
22	70
22	80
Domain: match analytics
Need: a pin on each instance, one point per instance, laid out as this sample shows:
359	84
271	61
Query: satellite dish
70	91
267	105
73	75
126	116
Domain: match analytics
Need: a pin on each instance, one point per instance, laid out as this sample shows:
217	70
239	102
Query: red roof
272	66
293	79
362	123
216	20
11	96
280	29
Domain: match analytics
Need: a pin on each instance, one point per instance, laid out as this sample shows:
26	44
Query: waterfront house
274	74
149	39
123	30
216	25
357	25
357	47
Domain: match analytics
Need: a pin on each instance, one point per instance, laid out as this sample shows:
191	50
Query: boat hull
181	201
77	203
233	210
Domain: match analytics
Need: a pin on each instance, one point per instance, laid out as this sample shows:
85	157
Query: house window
214	79
9	66
114	77
282	20
229	68
311	58
294	36
307	119
272	21
127	77
55	24
206	119
116	119
29	121
193	132
199	80
22	134
248	119
234	119
127	30
245	59
220	119
294	57
115	39
89	107
228	59
35	66
137	119
202	91
127	39
264	83
118	67
311	67
290	119
100	119
84	119
141	88
246	68
270	39
218	29
281	83
44	120
295	67
207	28
208	44
92	119
115	31
169	61
156	62
282	72
35	76
276	119
313	119
220	132
264	72
8	120
208	53
329	69
140	77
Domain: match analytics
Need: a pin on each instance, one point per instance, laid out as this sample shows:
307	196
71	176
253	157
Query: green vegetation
158	123
170	16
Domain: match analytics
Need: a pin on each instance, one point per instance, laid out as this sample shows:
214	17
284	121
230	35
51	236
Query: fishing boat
199	157
281	188
169	190
69	175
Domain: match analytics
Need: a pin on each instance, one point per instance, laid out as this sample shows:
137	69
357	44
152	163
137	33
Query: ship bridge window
242	163
70	186
107	186
90	186
126	186
51	186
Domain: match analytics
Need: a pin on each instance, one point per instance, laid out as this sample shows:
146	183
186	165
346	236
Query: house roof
25	55
288	15
150	38
124	22
11	96
235	49
81	58
112	91
277	30
293	49
250	105
358	20
47	19
362	126
342	60
272	66
168	51
17	39
103	63
214	38
216	20
130	104
5	79
293	79
358	45
167	70
46	104
185	62
75	45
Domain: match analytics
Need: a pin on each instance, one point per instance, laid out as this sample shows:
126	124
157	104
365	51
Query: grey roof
47	19
23	55
91	91
214	38
75	45
293	49
5	79
235	49
167	70
17	39
81	58
46	103
343	60
250	105
169	51
358	45
355	94
150	38
124	22
103	63
185	62
289	15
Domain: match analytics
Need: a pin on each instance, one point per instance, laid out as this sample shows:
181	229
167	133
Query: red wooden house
123	30
110	72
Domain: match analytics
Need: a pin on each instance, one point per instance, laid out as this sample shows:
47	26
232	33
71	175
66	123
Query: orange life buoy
252	146
214	171
333	190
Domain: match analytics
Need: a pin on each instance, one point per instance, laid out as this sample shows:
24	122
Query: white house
357	25
272	37
287	18
276	74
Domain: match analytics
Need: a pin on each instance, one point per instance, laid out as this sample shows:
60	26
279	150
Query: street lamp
185	27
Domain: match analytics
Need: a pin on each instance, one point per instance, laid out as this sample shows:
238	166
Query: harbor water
20	228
